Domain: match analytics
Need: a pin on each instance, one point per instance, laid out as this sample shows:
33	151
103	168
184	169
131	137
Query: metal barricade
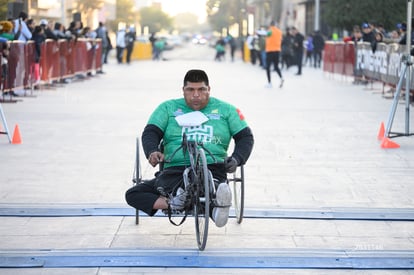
17	66
349	59
80	56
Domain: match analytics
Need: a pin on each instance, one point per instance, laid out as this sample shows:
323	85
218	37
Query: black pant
129	50
299	57
143	196
119	54
272	58
317	57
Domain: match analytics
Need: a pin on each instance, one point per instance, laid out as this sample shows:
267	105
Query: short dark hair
196	76
23	15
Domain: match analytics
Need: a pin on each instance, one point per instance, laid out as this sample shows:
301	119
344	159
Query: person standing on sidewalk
120	45
21	29
130	38
101	33
319	45
298	48
273	46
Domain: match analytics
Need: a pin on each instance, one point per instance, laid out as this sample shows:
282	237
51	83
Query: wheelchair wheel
238	188
137	177
202	200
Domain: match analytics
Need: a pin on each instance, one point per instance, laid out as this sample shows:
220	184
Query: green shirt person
201	118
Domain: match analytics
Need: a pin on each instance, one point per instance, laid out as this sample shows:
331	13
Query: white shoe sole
223	200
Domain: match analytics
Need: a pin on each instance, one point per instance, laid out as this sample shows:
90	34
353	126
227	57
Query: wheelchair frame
202	188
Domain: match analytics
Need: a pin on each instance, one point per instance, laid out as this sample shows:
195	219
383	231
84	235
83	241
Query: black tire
137	176
238	193
202	200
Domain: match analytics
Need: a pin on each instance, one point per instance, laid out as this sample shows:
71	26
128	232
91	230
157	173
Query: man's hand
231	164
155	158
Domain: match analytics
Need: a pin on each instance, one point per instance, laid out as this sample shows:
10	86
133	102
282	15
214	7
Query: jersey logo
203	133
178	112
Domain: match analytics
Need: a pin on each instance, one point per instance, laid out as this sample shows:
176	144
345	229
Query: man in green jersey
201	118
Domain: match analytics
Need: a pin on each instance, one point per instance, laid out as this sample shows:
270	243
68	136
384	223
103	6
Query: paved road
316	150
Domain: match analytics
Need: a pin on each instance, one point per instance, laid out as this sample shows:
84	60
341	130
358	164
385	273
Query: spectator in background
87	32
298	48
159	46
220	49
251	42
110	47
130	38
31	24
262	51
368	35
232	44
46	29
74	29
309	49
39	38
355	38
394	36
403	34
356	35
21	30
401	28
152	40
60	32
287	49
101	33
318	46
379	38
380	28
5	48
6	31
120	44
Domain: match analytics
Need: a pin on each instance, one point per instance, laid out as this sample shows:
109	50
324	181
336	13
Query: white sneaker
268	85
223	203
281	83
178	202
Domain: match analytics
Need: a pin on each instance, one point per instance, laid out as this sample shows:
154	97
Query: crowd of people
125	39
375	33
269	47
27	29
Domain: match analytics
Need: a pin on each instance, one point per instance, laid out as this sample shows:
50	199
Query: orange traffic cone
388	144
16	135
381	131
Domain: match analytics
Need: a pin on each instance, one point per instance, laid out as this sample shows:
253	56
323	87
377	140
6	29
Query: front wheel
202	200
238	188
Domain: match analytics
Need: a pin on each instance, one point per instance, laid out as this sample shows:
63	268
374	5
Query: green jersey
224	121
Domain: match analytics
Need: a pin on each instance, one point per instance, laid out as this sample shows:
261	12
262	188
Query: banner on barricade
385	64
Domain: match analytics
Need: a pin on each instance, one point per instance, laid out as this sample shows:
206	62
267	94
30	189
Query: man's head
23	15
44	23
366	28
196	89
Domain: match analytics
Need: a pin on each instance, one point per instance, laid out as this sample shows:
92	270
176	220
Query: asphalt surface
316	159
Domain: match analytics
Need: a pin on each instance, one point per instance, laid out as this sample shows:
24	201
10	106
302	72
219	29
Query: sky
173	7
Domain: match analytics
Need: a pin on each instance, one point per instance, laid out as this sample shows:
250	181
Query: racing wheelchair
198	183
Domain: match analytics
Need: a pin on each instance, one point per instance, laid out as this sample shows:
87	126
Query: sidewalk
316	149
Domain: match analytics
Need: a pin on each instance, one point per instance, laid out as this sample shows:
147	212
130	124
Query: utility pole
63	11
317	12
